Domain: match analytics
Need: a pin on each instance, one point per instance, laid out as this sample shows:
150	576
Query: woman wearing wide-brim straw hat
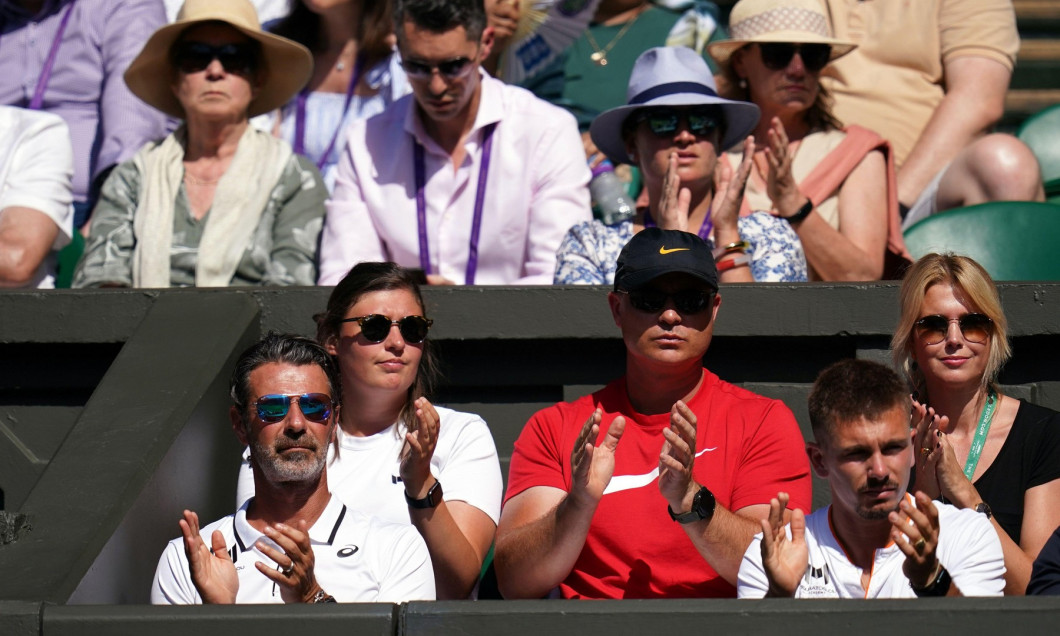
217	202
674	127
834	185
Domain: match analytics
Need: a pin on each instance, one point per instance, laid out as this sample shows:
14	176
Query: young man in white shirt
875	540
293	542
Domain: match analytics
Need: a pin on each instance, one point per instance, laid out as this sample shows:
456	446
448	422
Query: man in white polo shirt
875	540
294	542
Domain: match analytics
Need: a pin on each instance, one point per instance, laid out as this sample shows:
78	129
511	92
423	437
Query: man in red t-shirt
653	486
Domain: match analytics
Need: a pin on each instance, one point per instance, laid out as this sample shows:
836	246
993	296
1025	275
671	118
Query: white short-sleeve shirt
358	559
968	548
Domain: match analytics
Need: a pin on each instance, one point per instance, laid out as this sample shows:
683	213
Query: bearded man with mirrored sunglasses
469	179
654	485
293	542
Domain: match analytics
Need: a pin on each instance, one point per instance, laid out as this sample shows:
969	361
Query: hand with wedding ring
416	455
212	570
296	562
915	531
781	187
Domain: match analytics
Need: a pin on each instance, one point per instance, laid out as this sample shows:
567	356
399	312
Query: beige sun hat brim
800	21
286	66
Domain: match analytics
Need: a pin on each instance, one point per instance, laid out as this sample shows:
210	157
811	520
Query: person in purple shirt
67	57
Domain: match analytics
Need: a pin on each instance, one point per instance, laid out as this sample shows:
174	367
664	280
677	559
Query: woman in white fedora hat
835	186
217	202
674	127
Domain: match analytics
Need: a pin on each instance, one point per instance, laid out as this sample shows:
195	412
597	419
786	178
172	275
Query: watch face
704	503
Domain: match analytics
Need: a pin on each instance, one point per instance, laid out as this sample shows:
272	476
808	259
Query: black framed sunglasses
652	301
974	327
777	55
192	57
449	69
272	408
663	122
376	327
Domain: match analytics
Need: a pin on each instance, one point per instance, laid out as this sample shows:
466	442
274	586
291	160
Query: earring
743	83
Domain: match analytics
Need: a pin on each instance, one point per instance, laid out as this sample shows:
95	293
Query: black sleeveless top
1029	457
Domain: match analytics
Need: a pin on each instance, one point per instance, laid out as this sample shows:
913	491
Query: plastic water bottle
609	195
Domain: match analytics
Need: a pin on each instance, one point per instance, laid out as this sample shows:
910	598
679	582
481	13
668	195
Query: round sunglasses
192	57
663	122
272	408
652	301
974	327
376	327
777	55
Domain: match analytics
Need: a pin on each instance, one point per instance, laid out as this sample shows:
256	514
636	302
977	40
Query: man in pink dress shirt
472	180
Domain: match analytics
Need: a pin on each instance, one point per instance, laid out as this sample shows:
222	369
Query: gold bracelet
738	246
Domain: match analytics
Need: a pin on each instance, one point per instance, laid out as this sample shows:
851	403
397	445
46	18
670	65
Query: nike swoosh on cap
619	483
664	251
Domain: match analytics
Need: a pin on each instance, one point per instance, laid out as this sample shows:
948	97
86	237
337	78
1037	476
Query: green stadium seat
1013	240
1042	134
67	261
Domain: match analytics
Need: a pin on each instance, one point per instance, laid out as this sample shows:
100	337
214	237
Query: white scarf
240	200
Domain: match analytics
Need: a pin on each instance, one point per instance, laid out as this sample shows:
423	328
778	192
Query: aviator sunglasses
449	69
974	327
689	301
375	327
663	122
192	57
272	408
776	55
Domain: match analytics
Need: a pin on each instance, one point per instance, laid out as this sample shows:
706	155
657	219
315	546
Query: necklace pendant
341	66
599	58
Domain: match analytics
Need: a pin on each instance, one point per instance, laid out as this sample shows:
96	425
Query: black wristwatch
703	504
803	212
984	508
433	498
939	586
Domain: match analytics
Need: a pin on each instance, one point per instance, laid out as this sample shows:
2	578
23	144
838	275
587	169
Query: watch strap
703	504
803	212
939	586
433	498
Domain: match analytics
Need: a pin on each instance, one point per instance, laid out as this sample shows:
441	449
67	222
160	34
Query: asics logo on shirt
346	551
664	251
619	483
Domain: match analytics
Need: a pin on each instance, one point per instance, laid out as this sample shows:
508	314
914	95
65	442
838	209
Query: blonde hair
976	286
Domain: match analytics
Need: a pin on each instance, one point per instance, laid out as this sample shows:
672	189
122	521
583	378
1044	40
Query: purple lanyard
704	229
299	114
49	63
480	199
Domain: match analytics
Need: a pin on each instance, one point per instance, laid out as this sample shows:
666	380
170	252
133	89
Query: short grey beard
278	470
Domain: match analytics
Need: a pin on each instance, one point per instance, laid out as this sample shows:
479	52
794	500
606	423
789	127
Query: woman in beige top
834	185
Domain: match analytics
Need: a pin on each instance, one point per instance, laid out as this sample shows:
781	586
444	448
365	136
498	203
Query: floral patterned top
283	250
589	252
